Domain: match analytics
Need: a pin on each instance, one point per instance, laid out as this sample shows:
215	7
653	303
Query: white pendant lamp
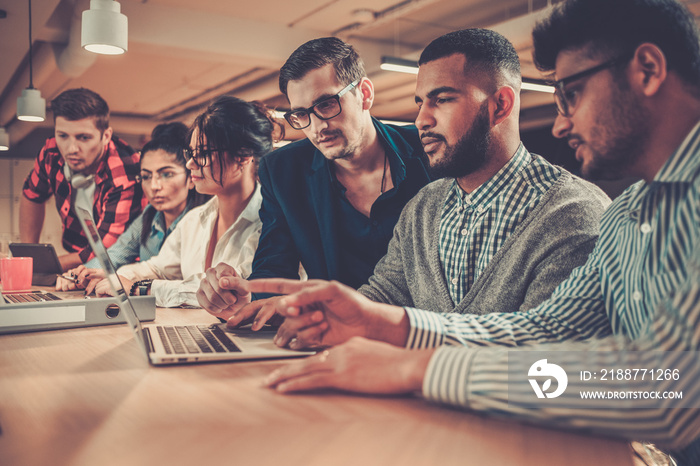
30	105
104	28
4	139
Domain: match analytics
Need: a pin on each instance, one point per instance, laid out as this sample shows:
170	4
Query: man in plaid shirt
83	144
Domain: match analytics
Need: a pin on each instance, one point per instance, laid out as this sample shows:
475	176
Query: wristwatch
140	288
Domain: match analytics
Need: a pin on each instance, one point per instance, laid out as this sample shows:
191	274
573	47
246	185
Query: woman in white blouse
226	141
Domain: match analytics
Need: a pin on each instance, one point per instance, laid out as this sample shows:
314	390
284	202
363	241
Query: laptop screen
122	297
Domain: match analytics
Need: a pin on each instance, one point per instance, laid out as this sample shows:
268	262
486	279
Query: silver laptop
165	345
39	310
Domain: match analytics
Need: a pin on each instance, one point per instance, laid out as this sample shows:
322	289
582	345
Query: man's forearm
31	220
69	261
389	324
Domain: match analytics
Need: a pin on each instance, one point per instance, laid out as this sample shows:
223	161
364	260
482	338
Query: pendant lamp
104	28
30	105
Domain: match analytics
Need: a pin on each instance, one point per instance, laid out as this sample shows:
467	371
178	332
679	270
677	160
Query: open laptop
32	311
38	310
165	345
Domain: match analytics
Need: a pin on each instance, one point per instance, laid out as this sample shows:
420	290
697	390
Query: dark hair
318	53
173	139
487	52
615	27
76	104
235	128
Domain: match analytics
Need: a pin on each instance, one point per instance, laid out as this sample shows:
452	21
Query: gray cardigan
555	237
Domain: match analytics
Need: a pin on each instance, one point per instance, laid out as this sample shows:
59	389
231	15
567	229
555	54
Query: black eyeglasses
566	100
163	177
325	109
201	158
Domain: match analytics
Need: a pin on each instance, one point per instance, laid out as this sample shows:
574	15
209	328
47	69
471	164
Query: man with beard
628	96
330	202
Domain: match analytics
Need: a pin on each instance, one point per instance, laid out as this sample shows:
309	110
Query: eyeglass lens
325	110
200	158
164	177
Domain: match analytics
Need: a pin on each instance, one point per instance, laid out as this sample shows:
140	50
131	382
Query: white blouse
179	267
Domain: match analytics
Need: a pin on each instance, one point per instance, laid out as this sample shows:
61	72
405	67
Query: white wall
12	175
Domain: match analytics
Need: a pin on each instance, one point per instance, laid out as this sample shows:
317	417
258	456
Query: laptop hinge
149	342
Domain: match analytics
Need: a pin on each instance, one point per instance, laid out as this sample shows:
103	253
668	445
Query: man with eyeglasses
330	202
83	146
628	95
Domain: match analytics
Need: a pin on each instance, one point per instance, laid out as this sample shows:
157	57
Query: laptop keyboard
34	297
193	339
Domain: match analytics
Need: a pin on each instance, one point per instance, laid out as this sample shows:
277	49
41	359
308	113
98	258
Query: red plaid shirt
118	197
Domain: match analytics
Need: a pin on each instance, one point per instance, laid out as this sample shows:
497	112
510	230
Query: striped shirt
474	226
639	290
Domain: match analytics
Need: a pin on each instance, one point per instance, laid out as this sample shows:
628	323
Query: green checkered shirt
474	226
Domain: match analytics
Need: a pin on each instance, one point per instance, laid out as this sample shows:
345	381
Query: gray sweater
554	238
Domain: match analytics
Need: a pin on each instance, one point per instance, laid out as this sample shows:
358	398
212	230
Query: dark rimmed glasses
162	177
201	158
325	109
566	100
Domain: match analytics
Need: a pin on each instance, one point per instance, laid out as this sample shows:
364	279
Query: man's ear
107	136
366	89
648	69
503	104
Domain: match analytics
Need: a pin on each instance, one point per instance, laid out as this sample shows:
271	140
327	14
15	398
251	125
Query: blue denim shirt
129	247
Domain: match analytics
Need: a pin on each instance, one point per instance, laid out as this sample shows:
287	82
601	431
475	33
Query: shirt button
455	281
645	228
480	209
637	296
464	231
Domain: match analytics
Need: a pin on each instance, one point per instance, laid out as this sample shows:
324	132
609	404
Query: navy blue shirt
306	217
363	241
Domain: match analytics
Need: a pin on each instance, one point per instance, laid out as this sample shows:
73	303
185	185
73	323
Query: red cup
16	273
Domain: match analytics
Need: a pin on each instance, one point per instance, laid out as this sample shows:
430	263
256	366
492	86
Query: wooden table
88	397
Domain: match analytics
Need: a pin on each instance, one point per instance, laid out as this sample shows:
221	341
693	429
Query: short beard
348	152
469	154
624	137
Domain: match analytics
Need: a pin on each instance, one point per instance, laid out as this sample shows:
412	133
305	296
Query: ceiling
182	53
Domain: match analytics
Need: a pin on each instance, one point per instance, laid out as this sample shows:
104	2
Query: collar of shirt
497	185
158	223
682	167
249	214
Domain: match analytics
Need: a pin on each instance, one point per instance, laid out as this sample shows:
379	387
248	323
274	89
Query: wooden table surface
88	397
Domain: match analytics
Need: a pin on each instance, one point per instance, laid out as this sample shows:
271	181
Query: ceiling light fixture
400	65
104	28
4	139
537	85
30	105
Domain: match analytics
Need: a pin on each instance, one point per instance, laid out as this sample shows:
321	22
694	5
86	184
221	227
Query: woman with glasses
167	185
225	143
